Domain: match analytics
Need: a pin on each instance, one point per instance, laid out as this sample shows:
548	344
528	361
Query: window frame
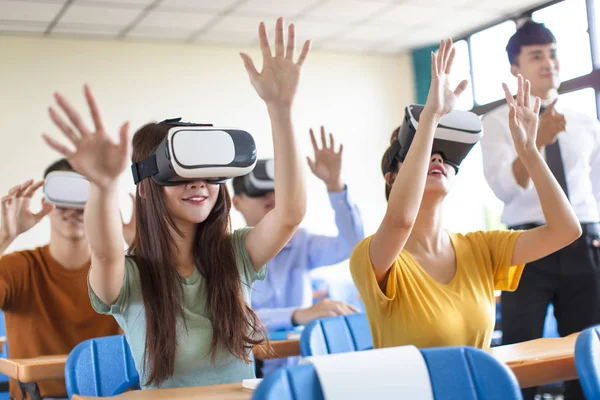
591	80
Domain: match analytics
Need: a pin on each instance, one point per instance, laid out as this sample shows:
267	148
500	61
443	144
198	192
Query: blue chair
463	373
101	367
587	361
332	335
3	378
282	334
550	324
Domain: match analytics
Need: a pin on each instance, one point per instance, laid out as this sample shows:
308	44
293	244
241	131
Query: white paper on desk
251	384
374	374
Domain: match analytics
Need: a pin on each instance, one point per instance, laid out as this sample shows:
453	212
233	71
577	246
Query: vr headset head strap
394	156
144	169
177	122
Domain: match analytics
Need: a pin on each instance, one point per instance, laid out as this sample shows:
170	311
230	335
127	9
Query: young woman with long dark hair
182	293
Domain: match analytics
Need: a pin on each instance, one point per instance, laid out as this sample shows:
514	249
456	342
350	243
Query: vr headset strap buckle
144	169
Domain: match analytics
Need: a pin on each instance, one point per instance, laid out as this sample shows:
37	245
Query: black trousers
570	280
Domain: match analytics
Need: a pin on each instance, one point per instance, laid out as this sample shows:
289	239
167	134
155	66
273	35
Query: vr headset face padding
198	151
66	189
259	182
456	134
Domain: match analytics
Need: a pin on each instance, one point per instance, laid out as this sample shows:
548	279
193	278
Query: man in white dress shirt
570	142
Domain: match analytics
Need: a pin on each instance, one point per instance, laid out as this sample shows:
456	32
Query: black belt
588	228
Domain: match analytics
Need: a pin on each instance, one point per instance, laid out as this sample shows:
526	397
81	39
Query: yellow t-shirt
418	310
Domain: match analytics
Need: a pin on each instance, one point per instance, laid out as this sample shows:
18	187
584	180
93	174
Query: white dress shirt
580	151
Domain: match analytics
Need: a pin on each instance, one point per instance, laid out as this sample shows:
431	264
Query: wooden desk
28	372
280	349
540	361
34	369
53	367
230	391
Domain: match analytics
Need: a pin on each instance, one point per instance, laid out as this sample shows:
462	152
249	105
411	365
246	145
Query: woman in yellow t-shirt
424	286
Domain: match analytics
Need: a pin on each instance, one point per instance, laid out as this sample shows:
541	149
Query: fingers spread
249	65
32	189
507	94
73	115
291	43
264	43
62	149
461	88
313	140
279	38
65	128
304	53
94	110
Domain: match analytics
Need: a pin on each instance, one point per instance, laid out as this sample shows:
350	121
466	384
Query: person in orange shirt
424	286
43	292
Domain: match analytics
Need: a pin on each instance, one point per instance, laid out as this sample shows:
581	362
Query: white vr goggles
456	134
259	182
197	151
66	189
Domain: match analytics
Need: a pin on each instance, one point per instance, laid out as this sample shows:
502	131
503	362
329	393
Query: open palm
96	155
523	115
441	98
327	165
278	81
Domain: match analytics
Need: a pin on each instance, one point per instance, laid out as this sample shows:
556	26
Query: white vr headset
198	151
259	182
456	134
66	189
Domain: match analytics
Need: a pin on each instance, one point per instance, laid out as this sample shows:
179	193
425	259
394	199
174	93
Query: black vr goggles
197	151
257	183
456	134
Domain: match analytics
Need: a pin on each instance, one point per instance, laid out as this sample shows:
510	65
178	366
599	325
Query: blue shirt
287	286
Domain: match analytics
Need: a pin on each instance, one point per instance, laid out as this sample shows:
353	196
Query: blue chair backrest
457	373
101	367
342	334
587	361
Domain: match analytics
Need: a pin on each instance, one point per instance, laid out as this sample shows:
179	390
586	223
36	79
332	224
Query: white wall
359	98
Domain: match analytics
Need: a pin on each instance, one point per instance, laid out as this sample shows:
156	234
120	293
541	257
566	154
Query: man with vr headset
284	299
43	292
570	142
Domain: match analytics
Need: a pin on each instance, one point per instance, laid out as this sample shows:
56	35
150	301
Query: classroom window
583	100
596	9
490	62
462	70
568	22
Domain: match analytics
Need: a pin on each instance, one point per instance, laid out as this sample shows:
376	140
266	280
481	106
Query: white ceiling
364	26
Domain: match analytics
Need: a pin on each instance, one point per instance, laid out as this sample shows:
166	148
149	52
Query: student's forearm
558	213
520	172
5	242
289	181
103	224
407	190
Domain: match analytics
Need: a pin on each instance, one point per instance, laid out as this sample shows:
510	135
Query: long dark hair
236	328
389	161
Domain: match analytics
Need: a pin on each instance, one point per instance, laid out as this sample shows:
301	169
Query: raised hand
441	99
550	125
129	227
16	213
327	165
277	83
523	116
96	155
